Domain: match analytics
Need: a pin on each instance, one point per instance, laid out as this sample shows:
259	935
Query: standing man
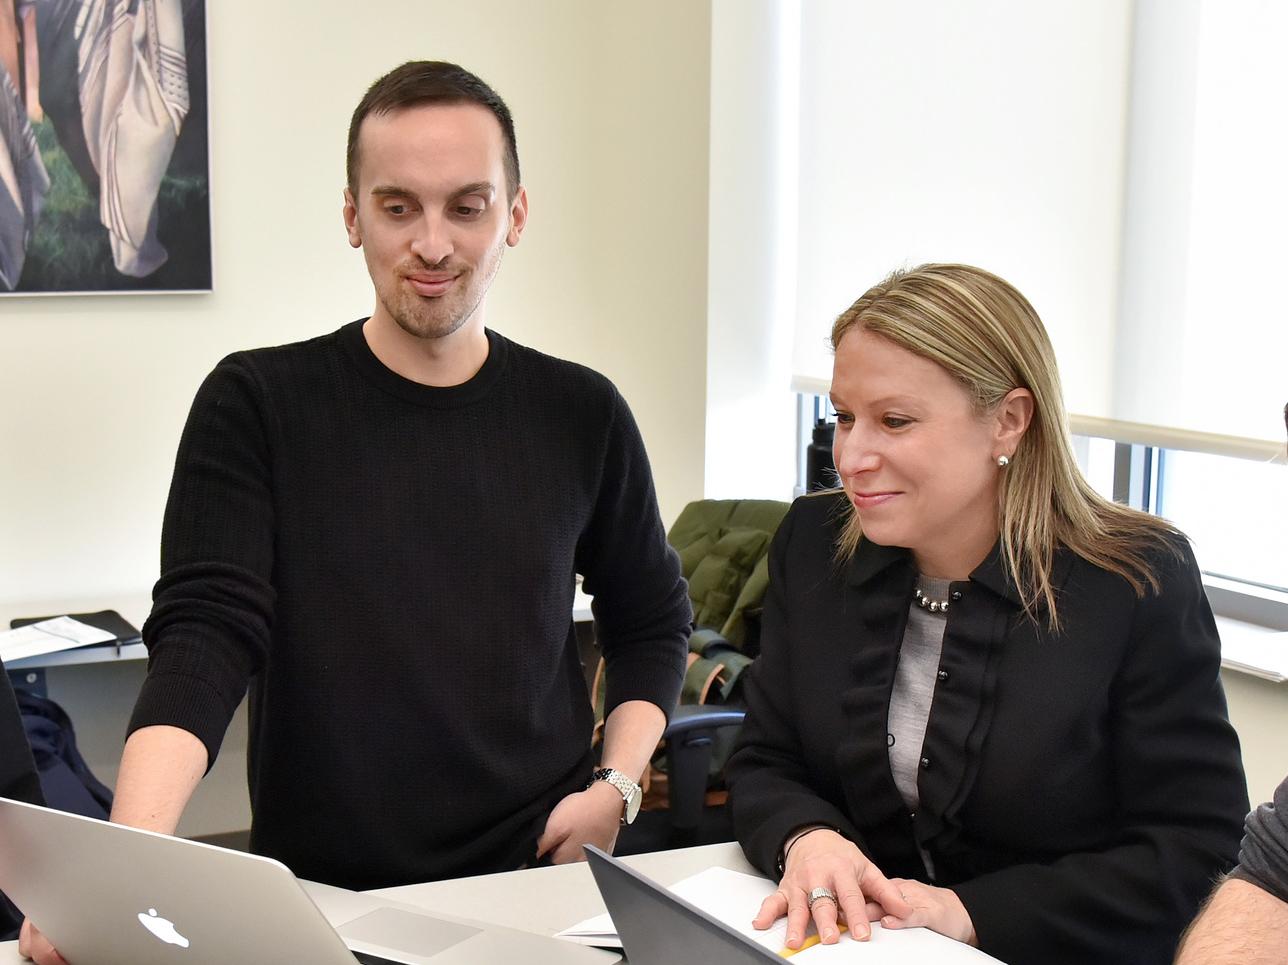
378	531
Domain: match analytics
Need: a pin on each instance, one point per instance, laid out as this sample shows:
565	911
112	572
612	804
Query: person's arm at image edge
1246	919
1240	925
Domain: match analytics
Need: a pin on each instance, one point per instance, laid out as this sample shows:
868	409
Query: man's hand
592	816
938	909
33	945
824	859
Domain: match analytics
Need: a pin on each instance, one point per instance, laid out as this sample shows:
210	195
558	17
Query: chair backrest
723	546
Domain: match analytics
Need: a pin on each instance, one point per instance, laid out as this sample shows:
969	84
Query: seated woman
987	700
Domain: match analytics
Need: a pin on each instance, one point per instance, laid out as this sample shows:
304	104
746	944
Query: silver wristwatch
631	792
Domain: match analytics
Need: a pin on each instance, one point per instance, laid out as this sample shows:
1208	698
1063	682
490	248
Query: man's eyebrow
486	188
392	191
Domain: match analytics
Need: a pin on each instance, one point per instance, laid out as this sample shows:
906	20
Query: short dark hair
431	82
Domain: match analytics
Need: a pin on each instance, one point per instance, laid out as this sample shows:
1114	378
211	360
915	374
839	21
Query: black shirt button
956	595
942	675
925	763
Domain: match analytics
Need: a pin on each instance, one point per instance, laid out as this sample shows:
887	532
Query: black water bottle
820	471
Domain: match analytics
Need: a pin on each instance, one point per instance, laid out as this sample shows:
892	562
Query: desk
541	900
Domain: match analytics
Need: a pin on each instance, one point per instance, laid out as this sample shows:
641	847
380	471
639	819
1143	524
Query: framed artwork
104	147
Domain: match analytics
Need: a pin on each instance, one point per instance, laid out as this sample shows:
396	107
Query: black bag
18	780
65	779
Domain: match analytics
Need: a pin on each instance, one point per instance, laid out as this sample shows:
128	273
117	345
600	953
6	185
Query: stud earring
1003	462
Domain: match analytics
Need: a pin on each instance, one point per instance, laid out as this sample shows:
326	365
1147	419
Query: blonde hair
987	336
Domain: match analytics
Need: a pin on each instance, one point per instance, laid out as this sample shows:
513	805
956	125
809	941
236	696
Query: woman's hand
821	858
938	909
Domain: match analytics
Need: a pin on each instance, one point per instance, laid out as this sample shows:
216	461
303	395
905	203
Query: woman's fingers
825	913
885	892
856	907
771	909
798	916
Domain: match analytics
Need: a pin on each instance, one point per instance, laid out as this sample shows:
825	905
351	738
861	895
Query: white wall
610	102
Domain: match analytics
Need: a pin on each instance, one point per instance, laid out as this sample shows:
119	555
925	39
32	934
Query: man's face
431	214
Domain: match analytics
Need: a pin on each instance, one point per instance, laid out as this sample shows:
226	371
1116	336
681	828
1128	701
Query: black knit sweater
390	567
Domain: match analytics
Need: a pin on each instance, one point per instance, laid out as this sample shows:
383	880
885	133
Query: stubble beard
427	318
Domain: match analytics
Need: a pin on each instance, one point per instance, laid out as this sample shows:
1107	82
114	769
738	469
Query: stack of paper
49	636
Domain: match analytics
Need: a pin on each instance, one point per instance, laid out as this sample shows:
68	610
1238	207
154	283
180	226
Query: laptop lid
659	928
113	895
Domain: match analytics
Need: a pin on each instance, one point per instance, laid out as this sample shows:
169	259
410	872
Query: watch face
633	805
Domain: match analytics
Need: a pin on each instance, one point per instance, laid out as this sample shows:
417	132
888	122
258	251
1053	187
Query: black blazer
1079	791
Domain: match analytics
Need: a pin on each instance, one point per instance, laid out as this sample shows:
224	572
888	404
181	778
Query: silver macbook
111	895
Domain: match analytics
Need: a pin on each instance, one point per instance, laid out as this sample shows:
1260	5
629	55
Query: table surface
540	900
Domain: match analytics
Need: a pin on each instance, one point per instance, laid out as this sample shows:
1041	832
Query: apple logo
163	928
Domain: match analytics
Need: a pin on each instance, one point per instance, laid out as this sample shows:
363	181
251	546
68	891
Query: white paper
734	898
49	636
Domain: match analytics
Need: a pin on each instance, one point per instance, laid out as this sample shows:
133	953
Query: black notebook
108	621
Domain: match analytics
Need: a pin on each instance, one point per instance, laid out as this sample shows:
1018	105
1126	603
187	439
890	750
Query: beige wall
610	102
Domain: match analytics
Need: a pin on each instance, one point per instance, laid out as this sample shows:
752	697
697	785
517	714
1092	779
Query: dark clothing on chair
1078	791
18	780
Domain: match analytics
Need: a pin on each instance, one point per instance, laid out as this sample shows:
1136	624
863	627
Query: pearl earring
1003	462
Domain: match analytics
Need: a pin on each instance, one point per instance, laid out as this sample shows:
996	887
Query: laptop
113	895
657	927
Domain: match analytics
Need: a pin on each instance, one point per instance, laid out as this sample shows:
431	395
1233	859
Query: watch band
630	791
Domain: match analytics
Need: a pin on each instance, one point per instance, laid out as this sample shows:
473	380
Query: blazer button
925	763
942	675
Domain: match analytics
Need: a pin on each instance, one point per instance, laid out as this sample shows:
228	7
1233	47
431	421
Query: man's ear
351	219
518	216
1013	415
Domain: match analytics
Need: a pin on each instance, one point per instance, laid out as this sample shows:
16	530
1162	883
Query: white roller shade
1120	163
989	132
1203	344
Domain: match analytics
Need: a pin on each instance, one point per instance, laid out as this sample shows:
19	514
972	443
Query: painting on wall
104	147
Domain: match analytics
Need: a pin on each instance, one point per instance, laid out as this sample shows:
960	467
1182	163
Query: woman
988	700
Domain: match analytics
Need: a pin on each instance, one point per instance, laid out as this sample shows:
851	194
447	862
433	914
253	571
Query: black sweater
390	566
1079	792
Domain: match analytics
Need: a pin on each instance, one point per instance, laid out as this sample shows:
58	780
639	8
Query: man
1245	922
378	529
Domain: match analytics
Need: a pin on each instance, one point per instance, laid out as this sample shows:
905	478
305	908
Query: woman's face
917	462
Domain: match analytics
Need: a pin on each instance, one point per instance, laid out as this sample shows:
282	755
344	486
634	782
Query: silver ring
821	894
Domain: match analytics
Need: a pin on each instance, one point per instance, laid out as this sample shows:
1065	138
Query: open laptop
657	927
109	894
